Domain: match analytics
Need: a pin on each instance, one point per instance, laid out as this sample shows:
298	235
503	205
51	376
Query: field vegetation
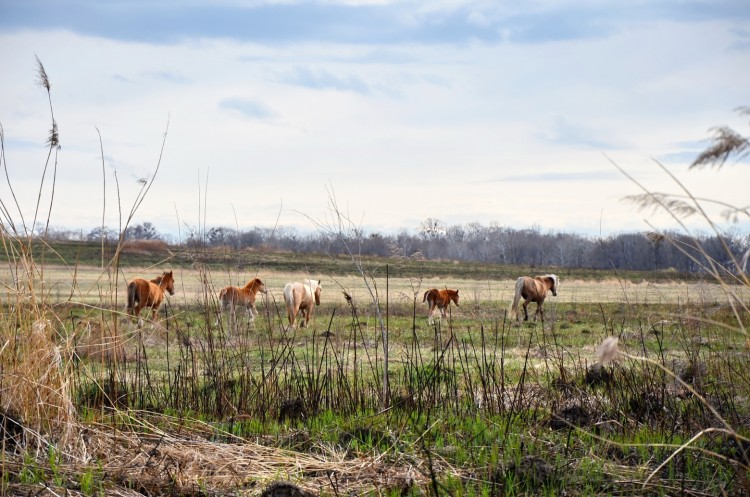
636	383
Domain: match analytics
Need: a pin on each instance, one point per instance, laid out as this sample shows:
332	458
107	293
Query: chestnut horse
233	296
143	293
299	297
533	290
440	299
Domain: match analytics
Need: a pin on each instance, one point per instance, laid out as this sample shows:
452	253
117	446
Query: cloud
162	76
567	133
166	76
253	109
558	177
457	88
466	21
385	56
324	80
121	79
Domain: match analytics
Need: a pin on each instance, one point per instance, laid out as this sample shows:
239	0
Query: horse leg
305	317
137	314
292	314
220	312
525	310
231	317
250	315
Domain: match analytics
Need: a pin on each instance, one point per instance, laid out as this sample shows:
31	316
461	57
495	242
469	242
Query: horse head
317	290
555	282
167	282
258	285
454	297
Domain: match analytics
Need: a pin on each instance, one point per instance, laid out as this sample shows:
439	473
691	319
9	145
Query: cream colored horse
301	297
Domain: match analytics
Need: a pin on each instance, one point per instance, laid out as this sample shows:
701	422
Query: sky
272	112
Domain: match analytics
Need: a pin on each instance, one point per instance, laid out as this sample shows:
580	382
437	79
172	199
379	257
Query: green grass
487	407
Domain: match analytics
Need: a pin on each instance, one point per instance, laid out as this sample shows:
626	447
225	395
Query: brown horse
533	290
301	297
440	299
143	293
233	296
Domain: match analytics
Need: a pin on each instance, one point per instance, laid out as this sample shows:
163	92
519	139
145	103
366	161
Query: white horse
301	297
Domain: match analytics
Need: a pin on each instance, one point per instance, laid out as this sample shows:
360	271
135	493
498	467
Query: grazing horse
233	296
143	293
440	299
299	297
533	290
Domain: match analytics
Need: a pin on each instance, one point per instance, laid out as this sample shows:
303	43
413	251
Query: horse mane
253	283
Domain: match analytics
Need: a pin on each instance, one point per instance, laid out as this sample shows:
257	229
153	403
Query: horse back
143	293
536	288
440	298
228	295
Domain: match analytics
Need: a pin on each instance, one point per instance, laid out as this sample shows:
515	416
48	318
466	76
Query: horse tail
424	299
516	298
132	295
286	290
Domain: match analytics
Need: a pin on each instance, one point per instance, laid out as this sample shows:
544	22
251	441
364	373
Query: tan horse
301	297
143	293
233	296
440	299
533	290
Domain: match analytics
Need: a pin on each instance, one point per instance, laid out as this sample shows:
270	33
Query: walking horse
301	297
144	293
440	299
232	297
533	290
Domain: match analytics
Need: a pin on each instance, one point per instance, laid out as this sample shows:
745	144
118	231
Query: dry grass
35	387
91	285
179	459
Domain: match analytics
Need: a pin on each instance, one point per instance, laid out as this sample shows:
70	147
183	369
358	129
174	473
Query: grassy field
474	405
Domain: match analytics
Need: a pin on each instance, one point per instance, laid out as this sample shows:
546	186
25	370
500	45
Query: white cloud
459	131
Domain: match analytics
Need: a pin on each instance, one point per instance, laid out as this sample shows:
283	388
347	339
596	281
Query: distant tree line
469	242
